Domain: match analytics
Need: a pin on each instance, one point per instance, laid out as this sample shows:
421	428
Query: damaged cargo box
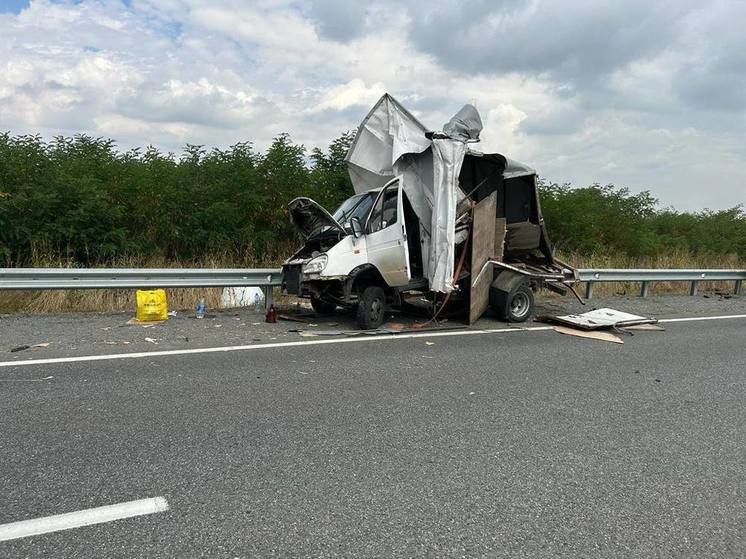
431	215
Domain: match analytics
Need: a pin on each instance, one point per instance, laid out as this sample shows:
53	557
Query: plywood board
482	250
593	335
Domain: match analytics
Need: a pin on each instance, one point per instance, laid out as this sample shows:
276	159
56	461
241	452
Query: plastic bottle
200	310
271	316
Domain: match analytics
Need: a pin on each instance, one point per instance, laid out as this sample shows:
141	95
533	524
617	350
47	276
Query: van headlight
316	265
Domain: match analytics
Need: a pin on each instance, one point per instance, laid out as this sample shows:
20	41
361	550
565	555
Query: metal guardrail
266	278
137	278
645	277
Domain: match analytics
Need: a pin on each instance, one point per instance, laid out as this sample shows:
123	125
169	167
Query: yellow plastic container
151	305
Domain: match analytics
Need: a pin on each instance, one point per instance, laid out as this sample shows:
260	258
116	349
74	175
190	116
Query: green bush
609	220
81	201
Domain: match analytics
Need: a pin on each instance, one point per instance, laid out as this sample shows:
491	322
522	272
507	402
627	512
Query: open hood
310	217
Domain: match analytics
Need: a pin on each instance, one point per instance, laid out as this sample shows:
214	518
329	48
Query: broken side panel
482	251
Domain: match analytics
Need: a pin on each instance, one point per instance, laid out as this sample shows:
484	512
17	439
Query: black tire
514	306
323	306
371	308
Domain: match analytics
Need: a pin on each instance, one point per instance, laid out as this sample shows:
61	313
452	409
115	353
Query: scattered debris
123	342
144	324
44	344
595	335
429	343
647	327
20	348
151	340
172	313
294	318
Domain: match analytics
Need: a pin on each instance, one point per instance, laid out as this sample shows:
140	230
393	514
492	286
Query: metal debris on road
27	346
599	319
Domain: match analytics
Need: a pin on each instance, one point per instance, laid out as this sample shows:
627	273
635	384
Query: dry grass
671	260
107	300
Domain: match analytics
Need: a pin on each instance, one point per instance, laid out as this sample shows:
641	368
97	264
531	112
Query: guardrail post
644	288
693	288
588	289
737	289
267	296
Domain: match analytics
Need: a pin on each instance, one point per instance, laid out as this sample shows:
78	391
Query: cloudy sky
648	95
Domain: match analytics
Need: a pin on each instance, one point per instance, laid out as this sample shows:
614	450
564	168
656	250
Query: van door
386	235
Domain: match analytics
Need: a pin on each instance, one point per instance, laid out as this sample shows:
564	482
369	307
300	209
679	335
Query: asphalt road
519	444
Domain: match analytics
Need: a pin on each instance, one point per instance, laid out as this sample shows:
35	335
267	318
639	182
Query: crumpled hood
310	217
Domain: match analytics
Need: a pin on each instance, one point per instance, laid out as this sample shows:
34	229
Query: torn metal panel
386	133
601	318
464	125
448	155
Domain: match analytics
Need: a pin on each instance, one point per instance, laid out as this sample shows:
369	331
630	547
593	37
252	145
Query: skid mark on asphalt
361	339
87	517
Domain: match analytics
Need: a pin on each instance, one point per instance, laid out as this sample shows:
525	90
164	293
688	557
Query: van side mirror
357	229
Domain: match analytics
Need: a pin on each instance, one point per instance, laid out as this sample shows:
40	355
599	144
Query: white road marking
357	339
36	526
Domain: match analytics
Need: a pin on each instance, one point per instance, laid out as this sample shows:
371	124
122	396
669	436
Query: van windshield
357	206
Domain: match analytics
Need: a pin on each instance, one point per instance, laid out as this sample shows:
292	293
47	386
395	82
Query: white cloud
351	94
170	72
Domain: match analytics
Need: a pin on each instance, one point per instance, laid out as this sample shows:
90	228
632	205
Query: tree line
80	200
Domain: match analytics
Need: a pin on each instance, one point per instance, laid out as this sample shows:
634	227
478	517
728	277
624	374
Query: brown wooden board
500	230
594	335
482	250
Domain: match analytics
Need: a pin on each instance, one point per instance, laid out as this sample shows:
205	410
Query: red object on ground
271	315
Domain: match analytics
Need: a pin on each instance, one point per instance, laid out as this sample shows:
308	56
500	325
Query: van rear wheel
371	308
516	305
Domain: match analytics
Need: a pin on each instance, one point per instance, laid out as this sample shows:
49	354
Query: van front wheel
371	308
322	306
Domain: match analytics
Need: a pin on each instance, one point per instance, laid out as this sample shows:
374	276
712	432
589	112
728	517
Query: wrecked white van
432	216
